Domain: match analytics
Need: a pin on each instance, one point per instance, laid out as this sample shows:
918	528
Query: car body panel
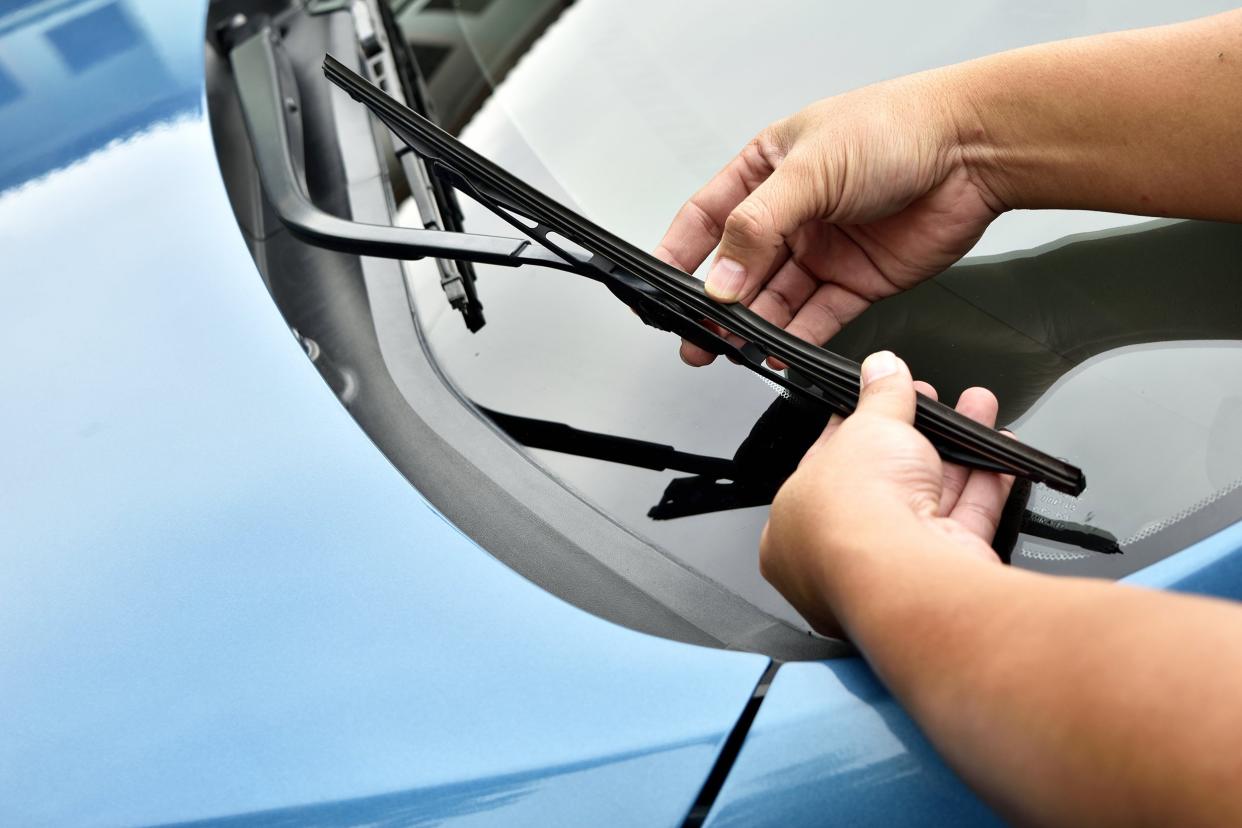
830	742
830	745
223	603
220	597
1213	566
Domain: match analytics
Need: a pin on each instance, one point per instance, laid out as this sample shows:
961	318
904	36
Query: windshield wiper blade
668	299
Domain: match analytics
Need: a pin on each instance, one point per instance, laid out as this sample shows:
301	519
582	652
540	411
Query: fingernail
725	280
877	366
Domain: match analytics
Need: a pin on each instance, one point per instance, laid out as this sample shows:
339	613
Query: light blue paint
218	597
1213	566
220	601
830	746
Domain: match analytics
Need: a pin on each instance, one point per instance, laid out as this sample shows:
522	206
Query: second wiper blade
666	298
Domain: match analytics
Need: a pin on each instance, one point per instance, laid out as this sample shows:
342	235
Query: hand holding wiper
669	299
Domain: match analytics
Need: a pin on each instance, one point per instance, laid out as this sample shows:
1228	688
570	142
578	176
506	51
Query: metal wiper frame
670	300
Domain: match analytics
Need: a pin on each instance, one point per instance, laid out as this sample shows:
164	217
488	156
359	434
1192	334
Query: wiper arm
643	454
266	104
668	299
768	455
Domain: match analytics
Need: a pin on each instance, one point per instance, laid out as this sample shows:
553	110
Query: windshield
622	110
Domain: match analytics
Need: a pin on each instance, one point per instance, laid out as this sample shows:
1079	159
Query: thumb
887	388
753	242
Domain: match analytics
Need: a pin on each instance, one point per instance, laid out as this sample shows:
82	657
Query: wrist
910	584
981	145
866	579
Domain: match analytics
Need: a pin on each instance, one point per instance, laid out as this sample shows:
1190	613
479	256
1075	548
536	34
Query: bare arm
1061	701
863	195
1146	121
1068	701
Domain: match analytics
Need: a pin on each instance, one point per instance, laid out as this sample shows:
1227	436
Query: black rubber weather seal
670	300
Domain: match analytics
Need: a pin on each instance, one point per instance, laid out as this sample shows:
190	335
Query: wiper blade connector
671	300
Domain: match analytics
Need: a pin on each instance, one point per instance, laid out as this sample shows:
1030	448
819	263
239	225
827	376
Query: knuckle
773	141
694	212
881	389
747	225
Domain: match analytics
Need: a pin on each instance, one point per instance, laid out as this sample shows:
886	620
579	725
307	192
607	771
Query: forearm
1063	701
1146	121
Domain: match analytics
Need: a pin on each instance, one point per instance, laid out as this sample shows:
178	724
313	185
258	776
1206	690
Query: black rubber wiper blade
666	298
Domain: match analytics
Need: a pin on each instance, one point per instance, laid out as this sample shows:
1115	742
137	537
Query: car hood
219	597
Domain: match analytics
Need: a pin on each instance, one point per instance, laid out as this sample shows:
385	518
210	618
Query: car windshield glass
1110	340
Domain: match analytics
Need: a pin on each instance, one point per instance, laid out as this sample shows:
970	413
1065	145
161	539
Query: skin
1061	701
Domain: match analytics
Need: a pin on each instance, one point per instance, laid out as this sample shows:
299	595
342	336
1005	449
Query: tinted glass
1111	340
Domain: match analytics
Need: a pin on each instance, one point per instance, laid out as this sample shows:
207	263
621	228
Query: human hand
871	504
853	199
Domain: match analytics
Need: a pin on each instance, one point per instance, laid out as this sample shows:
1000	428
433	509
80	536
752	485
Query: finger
979	506
827	310
776	302
887	389
784	294
982	500
689	353
699	224
695	356
834	422
781	298
978	404
753	242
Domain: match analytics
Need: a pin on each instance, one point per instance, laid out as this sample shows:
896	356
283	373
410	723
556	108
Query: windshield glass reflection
1110	340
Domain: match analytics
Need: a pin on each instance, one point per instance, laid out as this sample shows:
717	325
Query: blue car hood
218	597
